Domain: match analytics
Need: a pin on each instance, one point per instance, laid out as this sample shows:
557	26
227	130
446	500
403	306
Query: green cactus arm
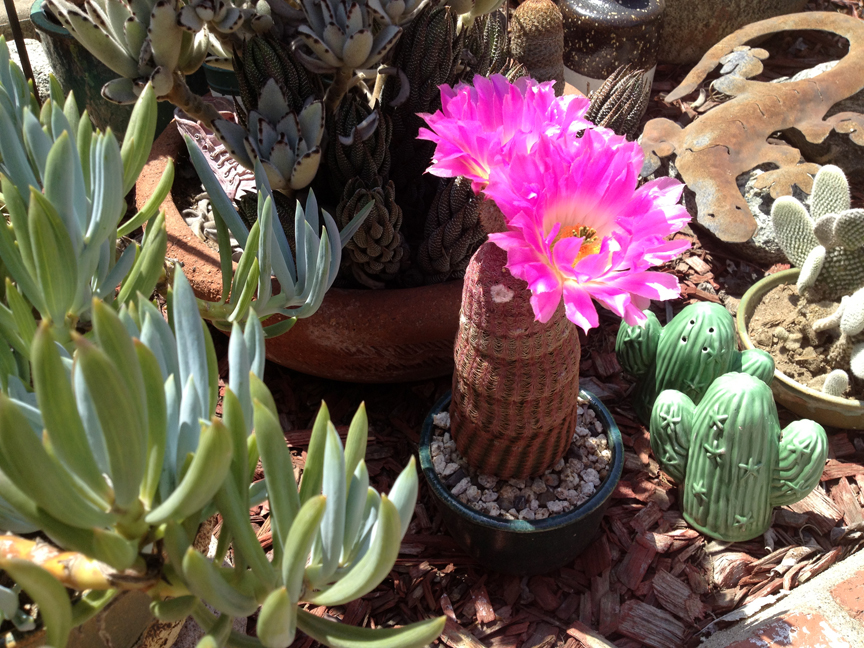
803	451
757	363
636	346
670	432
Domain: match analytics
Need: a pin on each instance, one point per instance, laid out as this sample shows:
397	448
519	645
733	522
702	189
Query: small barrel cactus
729	453
537	40
515	386
696	347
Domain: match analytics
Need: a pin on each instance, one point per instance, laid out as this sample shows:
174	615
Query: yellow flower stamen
590	241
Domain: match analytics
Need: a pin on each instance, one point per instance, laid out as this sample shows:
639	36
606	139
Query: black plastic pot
521	546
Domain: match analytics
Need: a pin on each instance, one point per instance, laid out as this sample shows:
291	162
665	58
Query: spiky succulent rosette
481	127
579	229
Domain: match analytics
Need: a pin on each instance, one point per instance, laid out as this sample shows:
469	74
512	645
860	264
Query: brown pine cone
453	232
375	252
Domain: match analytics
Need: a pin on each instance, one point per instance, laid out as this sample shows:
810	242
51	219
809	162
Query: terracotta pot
808	403
367	336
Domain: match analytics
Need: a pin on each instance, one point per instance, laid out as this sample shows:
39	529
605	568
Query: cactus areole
734	462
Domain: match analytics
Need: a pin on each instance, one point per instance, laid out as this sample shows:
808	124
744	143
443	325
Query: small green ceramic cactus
696	347
729	453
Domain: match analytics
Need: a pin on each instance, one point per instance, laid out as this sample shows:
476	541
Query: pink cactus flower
477	127
579	229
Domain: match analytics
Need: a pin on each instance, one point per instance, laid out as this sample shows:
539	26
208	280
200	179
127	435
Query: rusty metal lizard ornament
732	138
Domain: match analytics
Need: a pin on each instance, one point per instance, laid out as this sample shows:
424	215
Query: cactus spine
734	462
688	354
516	381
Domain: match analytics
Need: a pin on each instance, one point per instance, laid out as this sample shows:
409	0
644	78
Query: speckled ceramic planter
809	403
522	546
601	35
367	336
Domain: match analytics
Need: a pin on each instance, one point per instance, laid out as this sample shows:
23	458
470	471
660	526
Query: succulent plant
360	147
453	232
304	276
620	102
375	252
470	10
734	462
63	187
339	38
137	455
514	401
140	41
263	58
537	40
287	145
827	244
688	354
12	612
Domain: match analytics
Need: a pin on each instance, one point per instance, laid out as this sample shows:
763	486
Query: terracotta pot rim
166	146
519	527
754	296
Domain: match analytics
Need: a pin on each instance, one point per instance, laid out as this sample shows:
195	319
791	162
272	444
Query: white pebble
534	505
559	466
591	475
517	483
489	495
472	493
541	514
461	487
449	469
487	481
587	488
527	514
439	463
493	509
442	420
551	479
538	486
555	506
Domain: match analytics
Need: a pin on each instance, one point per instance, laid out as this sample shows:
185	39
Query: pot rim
754	295
42	22
527	526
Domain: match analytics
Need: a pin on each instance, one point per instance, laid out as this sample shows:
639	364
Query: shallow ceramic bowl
522	546
804	401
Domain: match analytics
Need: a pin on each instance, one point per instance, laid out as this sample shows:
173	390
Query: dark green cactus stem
696	347
738	464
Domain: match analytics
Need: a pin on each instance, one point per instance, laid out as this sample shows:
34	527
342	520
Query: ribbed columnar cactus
696	347
537	40
620	102
515	387
735	463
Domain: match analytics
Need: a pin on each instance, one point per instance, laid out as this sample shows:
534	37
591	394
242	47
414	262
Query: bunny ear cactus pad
696	347
735	463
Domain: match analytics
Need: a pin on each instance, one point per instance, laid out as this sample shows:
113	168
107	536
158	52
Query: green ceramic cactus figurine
729	453
696	347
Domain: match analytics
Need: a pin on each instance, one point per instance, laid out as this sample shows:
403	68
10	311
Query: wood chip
568	607
596	558
635	565
544	636
677	597
653	627
840	445
846	501
610	609
835	469
545	592
482	606
698	265
588	637
730	567
820	510
646	518
456	636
